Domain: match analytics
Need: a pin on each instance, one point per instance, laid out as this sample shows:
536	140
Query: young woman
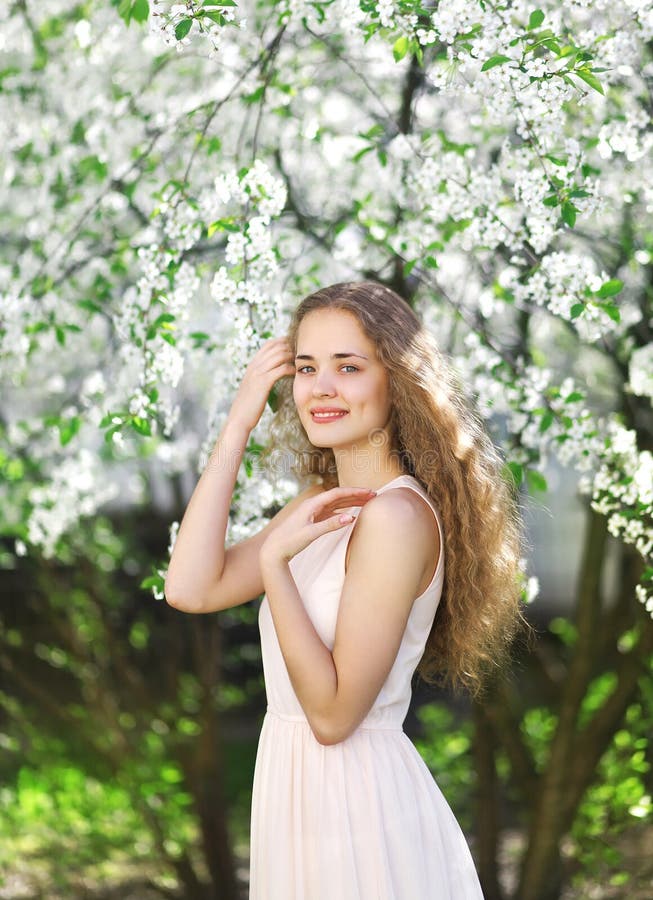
353	571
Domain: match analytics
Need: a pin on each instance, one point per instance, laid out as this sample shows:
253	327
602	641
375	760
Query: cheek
297	391
375	393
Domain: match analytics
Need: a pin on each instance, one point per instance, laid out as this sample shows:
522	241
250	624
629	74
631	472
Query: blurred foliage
620	797
121	716
114	758
445	746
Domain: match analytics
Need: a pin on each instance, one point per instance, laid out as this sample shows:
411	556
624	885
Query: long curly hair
443	443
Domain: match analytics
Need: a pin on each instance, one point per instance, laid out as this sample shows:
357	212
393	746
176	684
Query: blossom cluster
622	490
176	24
544	419
641	371
243	287
77	489
489	157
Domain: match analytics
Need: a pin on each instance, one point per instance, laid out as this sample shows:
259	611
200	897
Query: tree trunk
207	769
487	825
541	876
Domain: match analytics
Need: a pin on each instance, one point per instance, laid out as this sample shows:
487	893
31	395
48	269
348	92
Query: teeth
327	415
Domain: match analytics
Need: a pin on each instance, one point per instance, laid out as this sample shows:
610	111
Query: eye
303	370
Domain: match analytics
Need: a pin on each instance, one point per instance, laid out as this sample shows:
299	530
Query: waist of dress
364	726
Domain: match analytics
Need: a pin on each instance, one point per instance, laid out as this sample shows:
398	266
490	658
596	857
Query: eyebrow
333	356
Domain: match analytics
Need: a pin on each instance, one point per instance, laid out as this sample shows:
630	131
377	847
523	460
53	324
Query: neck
369	468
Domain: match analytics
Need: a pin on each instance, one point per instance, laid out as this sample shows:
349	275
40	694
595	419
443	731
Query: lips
327	414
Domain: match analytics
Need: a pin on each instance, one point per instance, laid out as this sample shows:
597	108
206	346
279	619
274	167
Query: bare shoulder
403	505
401	519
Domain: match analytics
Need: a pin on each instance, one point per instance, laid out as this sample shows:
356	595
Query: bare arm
202	575
391	549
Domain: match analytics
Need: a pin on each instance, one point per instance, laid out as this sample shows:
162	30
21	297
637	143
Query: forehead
322	328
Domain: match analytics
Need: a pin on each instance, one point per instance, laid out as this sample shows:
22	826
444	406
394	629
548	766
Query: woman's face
337	372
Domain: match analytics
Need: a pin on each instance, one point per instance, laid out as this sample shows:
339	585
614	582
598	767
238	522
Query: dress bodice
319	573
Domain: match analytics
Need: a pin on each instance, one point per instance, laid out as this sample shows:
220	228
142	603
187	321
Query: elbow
176	602
180	601
328	732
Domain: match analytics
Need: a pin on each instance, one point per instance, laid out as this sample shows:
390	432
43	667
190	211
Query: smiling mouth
327	417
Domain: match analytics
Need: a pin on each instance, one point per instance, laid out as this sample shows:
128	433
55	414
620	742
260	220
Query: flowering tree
174	186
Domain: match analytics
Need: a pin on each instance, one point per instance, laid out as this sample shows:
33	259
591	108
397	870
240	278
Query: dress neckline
392	481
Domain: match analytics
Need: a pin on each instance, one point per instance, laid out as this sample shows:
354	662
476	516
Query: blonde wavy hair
443	443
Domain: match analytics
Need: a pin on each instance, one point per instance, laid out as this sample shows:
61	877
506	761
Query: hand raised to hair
272	361
312	518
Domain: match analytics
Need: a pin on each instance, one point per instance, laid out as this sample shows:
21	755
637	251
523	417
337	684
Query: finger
338	496
272	362
333	523
275	343
280	353
274	348
321	510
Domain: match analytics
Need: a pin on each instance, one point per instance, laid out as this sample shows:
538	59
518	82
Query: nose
323	385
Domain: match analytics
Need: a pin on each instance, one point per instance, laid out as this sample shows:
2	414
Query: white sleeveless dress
362	819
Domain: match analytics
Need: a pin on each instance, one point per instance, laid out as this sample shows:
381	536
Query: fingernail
346	518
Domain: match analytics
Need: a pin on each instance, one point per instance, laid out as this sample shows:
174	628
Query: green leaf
536	481
564	629
125	10
152	581
551	200
577	309
254	97
68	430
574	397
536	19
213	145
568	212
516	472
546	421
273	400
182	28
216	17
142	426
92	166
140	10
110	433
494	61
400	48
375	131
610	288
361	153
612	311
589	78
